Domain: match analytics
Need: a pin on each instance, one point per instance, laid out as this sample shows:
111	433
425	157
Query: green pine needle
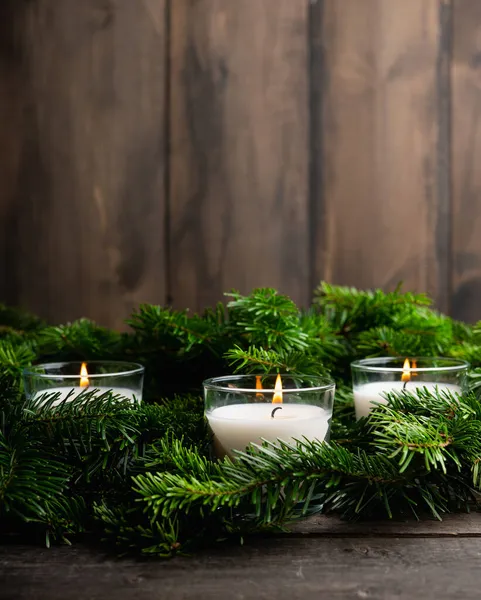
142	477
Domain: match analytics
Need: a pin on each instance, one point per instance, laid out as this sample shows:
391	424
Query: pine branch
143	474
267	319
350	310
80	340
175	330
277	483
19	322
15	357
467	351
29	478
259	360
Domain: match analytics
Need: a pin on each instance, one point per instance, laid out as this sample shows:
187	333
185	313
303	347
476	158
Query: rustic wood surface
320	559
168	150
82	208
466	144
239	149
383	162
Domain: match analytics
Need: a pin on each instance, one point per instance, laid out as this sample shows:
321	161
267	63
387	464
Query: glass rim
214	383
375	364
135	368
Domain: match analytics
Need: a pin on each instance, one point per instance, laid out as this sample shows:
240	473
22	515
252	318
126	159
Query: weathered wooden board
239	149
455	525
381	173
466	156
82	128
262	569
308	139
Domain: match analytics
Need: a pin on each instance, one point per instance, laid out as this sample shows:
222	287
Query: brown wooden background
168	150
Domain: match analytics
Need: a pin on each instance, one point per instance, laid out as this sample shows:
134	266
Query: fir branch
382	341
413	435
15	357
30	477
259	360
18	321
467	351
261	302
142	473
350	310
169	328
278	483
267	319
80	340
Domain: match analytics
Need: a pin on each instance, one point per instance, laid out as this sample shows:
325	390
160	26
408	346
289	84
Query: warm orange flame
259	386
84	375
414	366
277	399
406	376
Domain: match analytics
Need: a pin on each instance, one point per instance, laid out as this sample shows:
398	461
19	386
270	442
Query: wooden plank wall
168	150
83	203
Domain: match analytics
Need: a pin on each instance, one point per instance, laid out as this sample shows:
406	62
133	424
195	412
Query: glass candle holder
372	378
69	379
245	409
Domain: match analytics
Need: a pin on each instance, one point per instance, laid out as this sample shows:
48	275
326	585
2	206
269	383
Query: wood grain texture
381	211
466	156
263	569
454	525
239	148
82	208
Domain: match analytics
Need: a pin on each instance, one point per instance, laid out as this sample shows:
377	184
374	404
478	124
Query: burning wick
259	387
84	376
406	374
277	399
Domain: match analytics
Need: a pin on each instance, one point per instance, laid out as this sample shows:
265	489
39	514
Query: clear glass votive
245	409
374	377
70	379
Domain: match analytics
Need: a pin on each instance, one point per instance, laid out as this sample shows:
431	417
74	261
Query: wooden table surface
321	558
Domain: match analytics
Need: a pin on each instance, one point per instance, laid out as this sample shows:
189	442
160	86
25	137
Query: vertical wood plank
239	148
82	206
381	211
466	140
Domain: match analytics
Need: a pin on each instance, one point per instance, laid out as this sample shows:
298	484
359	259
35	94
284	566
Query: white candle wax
66	390
238	425
366	395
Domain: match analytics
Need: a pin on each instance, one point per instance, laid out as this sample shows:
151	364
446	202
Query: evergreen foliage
142	477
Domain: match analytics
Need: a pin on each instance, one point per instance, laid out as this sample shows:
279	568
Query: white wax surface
365	395
238	425
65	391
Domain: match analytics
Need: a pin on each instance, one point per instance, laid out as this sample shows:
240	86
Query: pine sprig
171	330
259	360
268	319
351	310
143	477
80	340
14	357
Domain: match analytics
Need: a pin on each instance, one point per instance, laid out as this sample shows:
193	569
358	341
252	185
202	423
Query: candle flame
259	386
277	399
84	375
414	366
406	375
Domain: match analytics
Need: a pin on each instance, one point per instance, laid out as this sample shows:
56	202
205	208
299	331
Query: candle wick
273	412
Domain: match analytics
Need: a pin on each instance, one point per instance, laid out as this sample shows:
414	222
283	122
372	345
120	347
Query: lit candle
43	379
71	392
235	426
367	395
